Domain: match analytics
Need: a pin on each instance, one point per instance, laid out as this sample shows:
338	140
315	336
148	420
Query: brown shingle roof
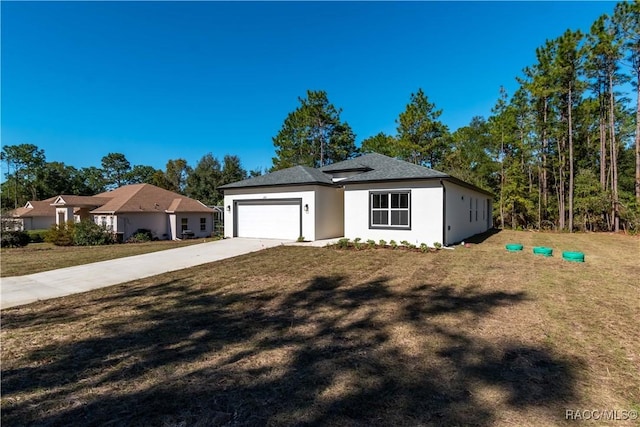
186	204
80	201
146	198
127	199
39	208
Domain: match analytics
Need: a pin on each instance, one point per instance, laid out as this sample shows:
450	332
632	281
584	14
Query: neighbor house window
185	224
390	209
103	221
203	224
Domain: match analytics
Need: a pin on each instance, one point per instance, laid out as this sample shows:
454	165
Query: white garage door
268	219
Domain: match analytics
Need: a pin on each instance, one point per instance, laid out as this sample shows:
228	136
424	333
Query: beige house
124	211
35	215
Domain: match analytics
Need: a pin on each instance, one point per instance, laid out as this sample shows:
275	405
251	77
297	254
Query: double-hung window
390	209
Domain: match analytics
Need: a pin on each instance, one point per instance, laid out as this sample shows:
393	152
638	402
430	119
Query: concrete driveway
66	281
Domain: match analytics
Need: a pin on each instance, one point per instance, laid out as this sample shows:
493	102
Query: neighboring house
370	197
35	215
127	209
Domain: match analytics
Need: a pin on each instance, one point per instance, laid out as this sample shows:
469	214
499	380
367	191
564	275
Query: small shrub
14	239
37	236
88	233
142	235
60	235
371	243
424	248
437	245
343	243
383	243
301	239
393	244
356	243
405	243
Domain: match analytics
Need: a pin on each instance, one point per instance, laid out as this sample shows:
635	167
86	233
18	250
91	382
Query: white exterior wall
461	202
329	207
67	212
425	212
193	224
129	223
306	193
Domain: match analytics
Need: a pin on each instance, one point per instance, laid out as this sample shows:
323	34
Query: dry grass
297	335
37	257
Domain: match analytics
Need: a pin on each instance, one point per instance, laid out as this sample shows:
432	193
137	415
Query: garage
268	219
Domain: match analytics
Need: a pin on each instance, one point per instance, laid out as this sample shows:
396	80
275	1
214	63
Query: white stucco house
370	197
125	210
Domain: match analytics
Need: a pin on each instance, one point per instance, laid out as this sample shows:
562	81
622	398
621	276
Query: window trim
388	226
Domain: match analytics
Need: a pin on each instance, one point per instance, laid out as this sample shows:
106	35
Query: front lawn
38	257
301	335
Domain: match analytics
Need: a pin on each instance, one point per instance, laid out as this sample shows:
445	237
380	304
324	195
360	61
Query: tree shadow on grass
329	352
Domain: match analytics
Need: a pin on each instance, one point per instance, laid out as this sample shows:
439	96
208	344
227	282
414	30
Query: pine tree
422	136
626	17
313	135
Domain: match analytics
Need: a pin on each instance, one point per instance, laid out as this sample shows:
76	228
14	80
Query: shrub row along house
371	197
124	211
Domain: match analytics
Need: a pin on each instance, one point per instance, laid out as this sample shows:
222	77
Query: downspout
444	213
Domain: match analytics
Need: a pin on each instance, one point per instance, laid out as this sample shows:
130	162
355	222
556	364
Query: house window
185	224
110	226
476	209
390	210
103	221
203	224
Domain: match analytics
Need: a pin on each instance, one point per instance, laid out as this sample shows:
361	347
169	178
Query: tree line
30	177
562	152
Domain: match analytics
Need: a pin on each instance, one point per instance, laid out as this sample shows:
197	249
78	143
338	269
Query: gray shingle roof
373	167
377	167
297	175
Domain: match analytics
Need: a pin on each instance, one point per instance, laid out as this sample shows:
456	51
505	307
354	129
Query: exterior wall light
306	208
228	208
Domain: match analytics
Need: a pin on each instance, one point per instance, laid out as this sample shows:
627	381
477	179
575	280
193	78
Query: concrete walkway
66	281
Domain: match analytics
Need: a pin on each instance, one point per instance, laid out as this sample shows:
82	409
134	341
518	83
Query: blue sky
165	80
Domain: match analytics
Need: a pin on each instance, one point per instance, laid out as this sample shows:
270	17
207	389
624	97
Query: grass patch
38	257
302	335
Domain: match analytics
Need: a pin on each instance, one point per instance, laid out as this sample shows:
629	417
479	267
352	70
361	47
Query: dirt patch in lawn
298	335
